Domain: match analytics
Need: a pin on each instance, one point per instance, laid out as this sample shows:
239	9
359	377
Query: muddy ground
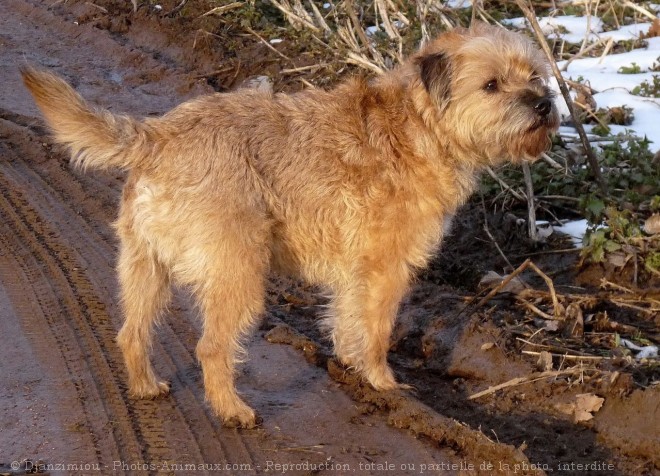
64	407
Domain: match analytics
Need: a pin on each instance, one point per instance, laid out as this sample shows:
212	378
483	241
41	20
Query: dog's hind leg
363	315
230	292
145	291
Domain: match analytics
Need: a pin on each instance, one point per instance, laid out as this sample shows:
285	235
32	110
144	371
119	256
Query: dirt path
63	397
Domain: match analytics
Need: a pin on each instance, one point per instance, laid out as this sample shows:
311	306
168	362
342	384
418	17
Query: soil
64	406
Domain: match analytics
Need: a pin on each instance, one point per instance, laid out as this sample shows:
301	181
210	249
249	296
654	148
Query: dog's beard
530	138
532	143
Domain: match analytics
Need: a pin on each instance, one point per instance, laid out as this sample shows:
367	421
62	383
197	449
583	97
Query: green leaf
595	207
653	261
611	246
598	254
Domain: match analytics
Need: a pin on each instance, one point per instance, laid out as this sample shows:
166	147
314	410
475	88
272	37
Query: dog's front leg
362	317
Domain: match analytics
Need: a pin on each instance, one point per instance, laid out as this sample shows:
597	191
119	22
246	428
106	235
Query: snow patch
575	230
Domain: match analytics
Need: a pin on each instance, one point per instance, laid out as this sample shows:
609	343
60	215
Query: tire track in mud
21	276
84	290
88	331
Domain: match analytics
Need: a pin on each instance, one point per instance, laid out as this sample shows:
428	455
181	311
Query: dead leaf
550	326
617	259
586	405
654	30
652	224
585	95
583	408
491	279
574	321
487	345
544	363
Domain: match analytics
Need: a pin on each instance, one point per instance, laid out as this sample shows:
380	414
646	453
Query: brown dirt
63	397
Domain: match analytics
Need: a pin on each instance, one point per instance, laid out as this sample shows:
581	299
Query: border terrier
351	189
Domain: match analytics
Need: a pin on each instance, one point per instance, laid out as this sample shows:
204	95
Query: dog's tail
96	138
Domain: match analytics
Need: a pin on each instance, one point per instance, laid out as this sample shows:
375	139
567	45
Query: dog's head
489	88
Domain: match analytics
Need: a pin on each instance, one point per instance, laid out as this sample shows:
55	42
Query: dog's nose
543	107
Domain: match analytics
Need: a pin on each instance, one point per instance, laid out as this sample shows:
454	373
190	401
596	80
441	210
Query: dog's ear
435	71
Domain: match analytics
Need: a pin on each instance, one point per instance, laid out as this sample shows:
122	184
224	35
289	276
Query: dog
351	189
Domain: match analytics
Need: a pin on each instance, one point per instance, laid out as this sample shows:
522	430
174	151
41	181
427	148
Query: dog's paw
381	378
243	418
385	385
245	422
392	386
233	411
149	390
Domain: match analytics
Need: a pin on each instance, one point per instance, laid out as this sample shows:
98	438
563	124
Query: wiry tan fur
349	188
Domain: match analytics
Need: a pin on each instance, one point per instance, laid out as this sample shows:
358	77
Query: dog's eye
491	86
535	79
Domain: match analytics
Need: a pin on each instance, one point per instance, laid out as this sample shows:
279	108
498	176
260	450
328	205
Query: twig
350	9
583	52
593	161
213	73
360	60
558	308
504	282
554	349
282	55
641	10
531	207
293	18
176	9
590	113
222	9
104	10
303	68
548	252
204	33
391	31
552	162
492	238
535	344
604	283
620	303
607	49
569	356
585	88
536	310
307	83
504	185
319	18
560	197
521	380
